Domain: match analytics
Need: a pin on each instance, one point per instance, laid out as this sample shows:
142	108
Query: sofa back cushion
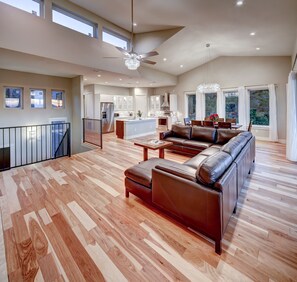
205	134
224	135
213	167
181	131
234	146
246	134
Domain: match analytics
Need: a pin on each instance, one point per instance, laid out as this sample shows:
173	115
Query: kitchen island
133	128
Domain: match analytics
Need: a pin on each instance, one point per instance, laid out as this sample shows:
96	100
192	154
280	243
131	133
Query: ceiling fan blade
111	57
148	62
123	51
149	54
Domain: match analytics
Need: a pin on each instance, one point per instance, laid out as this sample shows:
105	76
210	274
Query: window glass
13	97
192	106
115	39
30	6
231	105
73	21
210	104
37	98
57	99
259	107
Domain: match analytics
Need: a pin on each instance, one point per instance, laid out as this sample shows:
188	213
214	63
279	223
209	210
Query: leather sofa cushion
181	131
219	146
213	167
196	144
142	172
234	146
224	135
246	134
210	151
176	140
165	134
195	161
179	170
204	134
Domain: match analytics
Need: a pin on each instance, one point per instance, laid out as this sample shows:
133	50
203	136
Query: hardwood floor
68	220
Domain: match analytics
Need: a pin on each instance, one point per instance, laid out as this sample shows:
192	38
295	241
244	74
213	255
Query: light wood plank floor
68	220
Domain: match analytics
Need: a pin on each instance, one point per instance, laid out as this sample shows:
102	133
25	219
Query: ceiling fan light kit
132	59
132	63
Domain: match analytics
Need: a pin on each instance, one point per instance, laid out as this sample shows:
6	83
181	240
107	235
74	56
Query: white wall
232	72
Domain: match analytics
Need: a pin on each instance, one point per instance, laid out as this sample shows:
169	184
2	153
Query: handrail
28	144
92	131
67	133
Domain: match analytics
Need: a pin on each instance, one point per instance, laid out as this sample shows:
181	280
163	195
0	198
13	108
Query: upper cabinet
155	103
123	103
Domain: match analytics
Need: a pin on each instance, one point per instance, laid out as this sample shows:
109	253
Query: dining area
215	121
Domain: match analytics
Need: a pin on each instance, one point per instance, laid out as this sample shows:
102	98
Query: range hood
165	104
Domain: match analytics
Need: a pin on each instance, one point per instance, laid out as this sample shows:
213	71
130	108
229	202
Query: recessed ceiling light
181	66
164	59
252	33
239	2
120	79
137	82
106	82
258	48
134	24
85	79
99	75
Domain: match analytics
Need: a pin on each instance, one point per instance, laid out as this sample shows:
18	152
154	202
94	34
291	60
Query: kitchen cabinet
155	103
123	103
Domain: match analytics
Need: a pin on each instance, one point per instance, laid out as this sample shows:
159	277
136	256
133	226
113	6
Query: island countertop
133	128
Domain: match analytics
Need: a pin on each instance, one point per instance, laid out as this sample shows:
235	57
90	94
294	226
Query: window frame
63	99
228	91
115	34
77	17
44	98
21	100
249	89
216	104
41	8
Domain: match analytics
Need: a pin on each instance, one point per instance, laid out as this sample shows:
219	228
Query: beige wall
27	116
240	71
294	55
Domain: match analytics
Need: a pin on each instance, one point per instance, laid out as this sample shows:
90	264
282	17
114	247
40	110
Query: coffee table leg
145	154
161	153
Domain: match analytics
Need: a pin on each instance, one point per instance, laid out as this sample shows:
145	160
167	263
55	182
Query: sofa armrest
165	134
196	205
179	170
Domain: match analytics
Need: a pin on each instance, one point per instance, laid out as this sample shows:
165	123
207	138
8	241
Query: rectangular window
75	22
13	97
191	106
37	98
259	107
231	105
57	99
31	6
115	39
210	104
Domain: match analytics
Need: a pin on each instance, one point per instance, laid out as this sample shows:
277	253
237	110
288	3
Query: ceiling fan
132	59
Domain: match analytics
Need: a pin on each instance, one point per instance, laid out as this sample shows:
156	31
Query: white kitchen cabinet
173	102
155	103
106	98
123	103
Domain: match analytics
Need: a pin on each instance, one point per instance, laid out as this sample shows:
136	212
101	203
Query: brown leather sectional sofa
202	192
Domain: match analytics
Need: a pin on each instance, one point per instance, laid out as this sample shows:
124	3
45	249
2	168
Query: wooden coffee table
153	145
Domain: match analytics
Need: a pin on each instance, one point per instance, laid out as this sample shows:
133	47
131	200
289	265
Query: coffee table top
153	144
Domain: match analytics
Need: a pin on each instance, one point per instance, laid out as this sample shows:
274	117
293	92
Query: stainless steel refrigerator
107	117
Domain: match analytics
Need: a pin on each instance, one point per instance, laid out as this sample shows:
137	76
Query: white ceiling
218	22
